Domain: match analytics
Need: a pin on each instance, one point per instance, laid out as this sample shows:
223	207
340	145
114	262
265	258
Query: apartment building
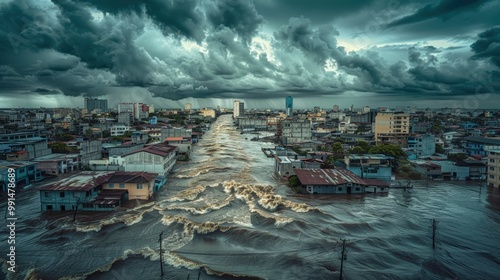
493	177
392	128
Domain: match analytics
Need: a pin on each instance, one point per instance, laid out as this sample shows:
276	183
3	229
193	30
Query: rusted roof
83	181
161	149
131	177
333	177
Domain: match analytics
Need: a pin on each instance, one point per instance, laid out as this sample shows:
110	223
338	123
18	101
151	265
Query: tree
439	149
457	157
390	150
61	147
337	150
293	181
357	150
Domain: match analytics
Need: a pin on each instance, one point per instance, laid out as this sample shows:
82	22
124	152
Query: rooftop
84	181
337	176
370	156
14	164
483	140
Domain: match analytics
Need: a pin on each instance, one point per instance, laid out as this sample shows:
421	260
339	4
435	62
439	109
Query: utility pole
161	254
343	256
76	208
199	273
434	227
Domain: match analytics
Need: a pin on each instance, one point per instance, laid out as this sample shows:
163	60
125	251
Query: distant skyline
167	53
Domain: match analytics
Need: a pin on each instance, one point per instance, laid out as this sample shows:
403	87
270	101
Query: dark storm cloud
488	45
240	16
444	9
202	49
279	11
178	17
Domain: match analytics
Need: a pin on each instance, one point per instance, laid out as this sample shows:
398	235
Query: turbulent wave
188	194
127	219
191	227
205	208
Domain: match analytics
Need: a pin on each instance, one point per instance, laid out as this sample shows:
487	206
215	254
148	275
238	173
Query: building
370	166
391	128
494	168
138	110
95	105
56	164
285	166
139	185
26	142
188	107
422	145
289	106
158	158
96	191
126	118
119	129
25	173
294	131
337	181
168	132
238	108
474	145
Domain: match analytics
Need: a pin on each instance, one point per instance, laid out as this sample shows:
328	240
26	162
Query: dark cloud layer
233	49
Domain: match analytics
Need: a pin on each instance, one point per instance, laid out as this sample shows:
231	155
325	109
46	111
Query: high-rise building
392	128
91	104
187	107
238	108
138	110
289	106
335	108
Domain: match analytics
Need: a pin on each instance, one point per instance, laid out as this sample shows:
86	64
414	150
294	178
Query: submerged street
225	212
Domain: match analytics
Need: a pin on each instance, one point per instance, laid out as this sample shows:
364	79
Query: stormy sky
440	53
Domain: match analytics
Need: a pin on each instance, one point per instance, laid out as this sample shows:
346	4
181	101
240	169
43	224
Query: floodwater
226	213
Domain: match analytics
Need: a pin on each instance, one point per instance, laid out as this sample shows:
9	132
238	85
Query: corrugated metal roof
83	181
333	177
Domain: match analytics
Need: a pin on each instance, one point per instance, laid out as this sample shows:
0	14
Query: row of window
122	185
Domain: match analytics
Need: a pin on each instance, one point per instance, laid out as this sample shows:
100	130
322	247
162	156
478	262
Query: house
80	189
158	158
96	191
476	169
337	181
139	185
422	145
285	166
56	164
429	170
182	143
370	166
25	173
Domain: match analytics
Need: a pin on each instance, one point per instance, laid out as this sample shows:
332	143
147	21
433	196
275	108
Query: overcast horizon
167	53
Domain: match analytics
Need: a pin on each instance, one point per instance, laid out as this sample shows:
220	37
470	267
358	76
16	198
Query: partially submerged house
337	181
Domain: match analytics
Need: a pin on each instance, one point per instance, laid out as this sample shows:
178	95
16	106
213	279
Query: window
492	168
49	207
492	176
61	194
340	189
492	160
46	194
139	186
357	189
111	185
122	185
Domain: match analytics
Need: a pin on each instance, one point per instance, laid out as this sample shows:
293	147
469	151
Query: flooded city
225	214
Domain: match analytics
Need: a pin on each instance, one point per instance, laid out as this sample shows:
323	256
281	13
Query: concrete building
474	145
294	131
167	132
285	166
25	142
391	128
422	145
188	107
126	118
337	181
95	105
370	166
119	129
158	158
56	164
238	108
289	106
493	178
25	173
